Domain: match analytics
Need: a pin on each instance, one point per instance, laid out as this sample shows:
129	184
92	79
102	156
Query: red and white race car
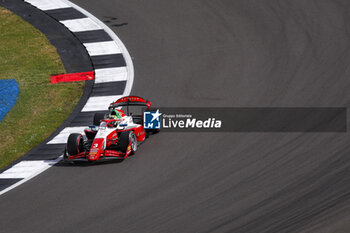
114	135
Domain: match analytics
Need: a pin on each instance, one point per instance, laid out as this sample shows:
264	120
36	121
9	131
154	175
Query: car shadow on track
86	163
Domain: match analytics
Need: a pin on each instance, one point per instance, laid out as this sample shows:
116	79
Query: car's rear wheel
98	117
75	144
127	138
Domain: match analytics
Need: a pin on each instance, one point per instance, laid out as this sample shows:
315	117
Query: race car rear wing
130	101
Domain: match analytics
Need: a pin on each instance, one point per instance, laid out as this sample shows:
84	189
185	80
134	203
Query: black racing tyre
65	155
98	117
125	139
75	144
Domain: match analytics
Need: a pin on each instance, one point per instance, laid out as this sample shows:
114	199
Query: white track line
64	134
48	4
99	103
111	75
40	166
80	25
102	48
25	169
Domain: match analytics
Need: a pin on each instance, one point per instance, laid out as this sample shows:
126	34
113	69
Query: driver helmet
115	115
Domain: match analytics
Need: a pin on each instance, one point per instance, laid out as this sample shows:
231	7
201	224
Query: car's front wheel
127	138
75	144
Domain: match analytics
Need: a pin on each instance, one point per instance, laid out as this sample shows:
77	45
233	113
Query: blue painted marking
8	96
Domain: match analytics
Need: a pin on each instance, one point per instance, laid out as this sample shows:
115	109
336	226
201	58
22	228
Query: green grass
27	56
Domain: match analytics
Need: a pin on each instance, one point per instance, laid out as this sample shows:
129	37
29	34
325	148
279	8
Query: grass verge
27	56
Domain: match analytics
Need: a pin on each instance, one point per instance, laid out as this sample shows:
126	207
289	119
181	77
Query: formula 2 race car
114	135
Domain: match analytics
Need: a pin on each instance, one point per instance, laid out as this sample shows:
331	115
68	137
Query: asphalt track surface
213	53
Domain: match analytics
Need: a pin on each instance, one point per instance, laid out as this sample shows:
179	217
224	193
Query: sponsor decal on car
93	153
